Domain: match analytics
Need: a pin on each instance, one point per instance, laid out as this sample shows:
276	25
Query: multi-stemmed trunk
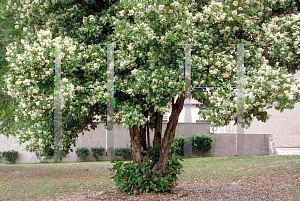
138	137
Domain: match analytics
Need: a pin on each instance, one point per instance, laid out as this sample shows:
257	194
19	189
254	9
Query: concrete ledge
225	144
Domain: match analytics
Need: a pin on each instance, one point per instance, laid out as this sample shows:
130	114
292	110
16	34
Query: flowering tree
149	65
8	34
29	24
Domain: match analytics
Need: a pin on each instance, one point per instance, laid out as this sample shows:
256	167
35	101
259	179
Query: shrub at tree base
82	153
97	151
202	143
10	156
142	177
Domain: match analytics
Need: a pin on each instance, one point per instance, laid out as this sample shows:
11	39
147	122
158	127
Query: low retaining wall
255	145
224	143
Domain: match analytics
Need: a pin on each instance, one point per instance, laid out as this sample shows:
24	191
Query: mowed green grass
49	181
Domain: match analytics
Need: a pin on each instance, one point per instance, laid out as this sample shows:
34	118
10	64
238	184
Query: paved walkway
288	151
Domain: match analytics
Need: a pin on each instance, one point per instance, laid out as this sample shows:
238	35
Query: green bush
178	144
10	156
141	177
48	154
202	143
125	152
82	153
97	151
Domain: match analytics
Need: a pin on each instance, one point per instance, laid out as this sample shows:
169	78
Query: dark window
200	105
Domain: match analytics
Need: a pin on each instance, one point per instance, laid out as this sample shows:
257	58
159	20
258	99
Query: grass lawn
52	180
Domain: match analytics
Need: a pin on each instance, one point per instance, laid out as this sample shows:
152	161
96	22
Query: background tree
31	19
8	34
149	66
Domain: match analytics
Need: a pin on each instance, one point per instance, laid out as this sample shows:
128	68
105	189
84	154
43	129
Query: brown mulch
195	191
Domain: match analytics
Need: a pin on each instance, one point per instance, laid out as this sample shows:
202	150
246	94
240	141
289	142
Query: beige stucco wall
284	126
224	144
92	138
255	144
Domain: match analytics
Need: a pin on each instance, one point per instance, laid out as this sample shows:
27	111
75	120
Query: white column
188	108
240	101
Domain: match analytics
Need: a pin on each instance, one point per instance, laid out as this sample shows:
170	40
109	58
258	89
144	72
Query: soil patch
12	172
193	191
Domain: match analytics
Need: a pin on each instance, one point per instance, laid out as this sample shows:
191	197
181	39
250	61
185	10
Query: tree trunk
157	131
143	139
135	141
169	135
